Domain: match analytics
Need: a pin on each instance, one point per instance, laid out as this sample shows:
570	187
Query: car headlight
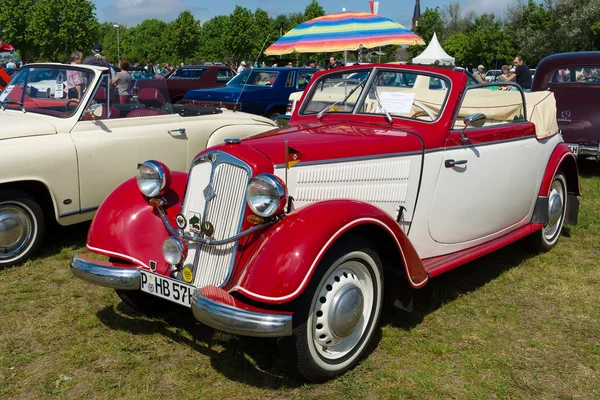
153	178
266	195
174	250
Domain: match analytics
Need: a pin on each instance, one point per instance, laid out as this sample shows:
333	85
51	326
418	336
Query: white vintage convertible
65	144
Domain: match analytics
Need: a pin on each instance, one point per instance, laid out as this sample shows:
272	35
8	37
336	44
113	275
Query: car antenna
244	85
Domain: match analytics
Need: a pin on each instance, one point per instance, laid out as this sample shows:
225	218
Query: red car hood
317	142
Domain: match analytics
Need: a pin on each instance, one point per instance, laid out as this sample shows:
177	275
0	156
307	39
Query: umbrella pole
345	58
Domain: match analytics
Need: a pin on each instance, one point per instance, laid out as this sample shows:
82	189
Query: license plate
574	149
203	104
167	288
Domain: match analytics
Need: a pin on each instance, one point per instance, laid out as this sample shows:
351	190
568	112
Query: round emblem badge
187	275
181	221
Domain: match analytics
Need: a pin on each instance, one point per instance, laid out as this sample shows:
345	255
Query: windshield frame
369	84
26	70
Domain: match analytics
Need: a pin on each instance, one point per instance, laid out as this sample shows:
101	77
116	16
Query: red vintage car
575	80
399	171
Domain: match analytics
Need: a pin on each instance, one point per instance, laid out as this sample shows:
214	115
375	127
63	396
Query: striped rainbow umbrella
343	31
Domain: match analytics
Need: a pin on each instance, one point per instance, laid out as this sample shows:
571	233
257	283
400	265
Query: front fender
283	259
129	228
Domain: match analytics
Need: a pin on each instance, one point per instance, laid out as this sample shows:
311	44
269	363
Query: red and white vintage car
384	171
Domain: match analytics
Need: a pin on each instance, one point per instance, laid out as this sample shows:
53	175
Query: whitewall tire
21	227
547	237
337	315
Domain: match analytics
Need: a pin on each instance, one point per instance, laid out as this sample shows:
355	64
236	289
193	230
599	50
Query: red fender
561	158
127	227
284	258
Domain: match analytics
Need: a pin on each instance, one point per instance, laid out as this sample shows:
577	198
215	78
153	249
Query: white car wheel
343	310
21	227
547	237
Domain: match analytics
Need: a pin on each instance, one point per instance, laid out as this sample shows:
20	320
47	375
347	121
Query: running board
438	265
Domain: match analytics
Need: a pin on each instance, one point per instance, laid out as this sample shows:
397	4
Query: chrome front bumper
239	321
105	274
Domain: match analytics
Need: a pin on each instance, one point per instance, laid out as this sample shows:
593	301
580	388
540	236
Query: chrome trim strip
198	239
237	321
100	274
82	211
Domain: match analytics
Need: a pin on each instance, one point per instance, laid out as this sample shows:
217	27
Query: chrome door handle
452	163
178	130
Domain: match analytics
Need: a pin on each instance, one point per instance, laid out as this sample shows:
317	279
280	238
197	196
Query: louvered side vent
224	211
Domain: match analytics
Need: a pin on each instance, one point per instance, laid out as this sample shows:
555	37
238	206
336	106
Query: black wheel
21	227
339	311
546	238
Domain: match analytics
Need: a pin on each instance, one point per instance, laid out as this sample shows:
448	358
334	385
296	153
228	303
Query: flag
292	156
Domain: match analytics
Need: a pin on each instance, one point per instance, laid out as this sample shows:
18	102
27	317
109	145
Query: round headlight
153	178
174	250
266	195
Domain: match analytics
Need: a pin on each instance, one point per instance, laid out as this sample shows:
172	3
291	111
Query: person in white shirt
241	67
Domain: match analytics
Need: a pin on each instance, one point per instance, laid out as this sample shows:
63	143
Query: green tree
184	35
14	26
491	43
239	35
313	10
460	47
212	39
430	22
148	39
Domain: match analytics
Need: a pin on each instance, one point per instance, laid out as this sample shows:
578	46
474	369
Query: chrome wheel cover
17	230
341	310
556	208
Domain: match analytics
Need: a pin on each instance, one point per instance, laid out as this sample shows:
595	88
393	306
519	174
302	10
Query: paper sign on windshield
397	103
6	92
59	90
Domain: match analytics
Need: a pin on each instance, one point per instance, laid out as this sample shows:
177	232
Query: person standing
75	78
122	82
332	63
97	58
522	74
10	64
480	74
241	67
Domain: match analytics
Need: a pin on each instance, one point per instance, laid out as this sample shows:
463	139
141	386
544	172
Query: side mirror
476	120
95	110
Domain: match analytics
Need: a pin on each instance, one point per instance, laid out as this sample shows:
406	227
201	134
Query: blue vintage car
262	91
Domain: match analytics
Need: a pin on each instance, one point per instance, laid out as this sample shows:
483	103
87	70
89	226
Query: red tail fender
564	159
286	256
129	228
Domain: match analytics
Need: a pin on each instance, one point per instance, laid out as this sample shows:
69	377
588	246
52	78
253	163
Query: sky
132	12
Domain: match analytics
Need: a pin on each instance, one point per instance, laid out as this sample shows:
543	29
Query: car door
109	146
487	181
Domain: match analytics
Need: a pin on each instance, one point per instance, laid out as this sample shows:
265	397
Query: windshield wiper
327	109
388	117
10	101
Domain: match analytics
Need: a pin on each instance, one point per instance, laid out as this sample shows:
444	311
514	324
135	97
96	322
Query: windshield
254	77
187	73
391	93
52	90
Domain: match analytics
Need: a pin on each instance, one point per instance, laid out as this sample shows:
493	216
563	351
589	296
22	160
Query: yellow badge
187	275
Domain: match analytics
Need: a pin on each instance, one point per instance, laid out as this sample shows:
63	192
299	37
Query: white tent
433	53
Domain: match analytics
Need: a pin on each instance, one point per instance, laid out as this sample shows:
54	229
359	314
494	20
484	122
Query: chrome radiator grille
215	193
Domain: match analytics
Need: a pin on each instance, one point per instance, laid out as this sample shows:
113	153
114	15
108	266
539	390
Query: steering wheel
418	104
591	79
69	103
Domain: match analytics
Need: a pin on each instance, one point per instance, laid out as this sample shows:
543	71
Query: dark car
262	91
575	80
189	77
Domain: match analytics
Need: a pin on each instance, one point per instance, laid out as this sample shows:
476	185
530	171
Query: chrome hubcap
342	309
346	310
15	231
556	209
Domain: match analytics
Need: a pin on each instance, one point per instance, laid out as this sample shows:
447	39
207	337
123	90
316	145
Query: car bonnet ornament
209	193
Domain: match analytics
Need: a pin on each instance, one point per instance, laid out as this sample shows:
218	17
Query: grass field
511	325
